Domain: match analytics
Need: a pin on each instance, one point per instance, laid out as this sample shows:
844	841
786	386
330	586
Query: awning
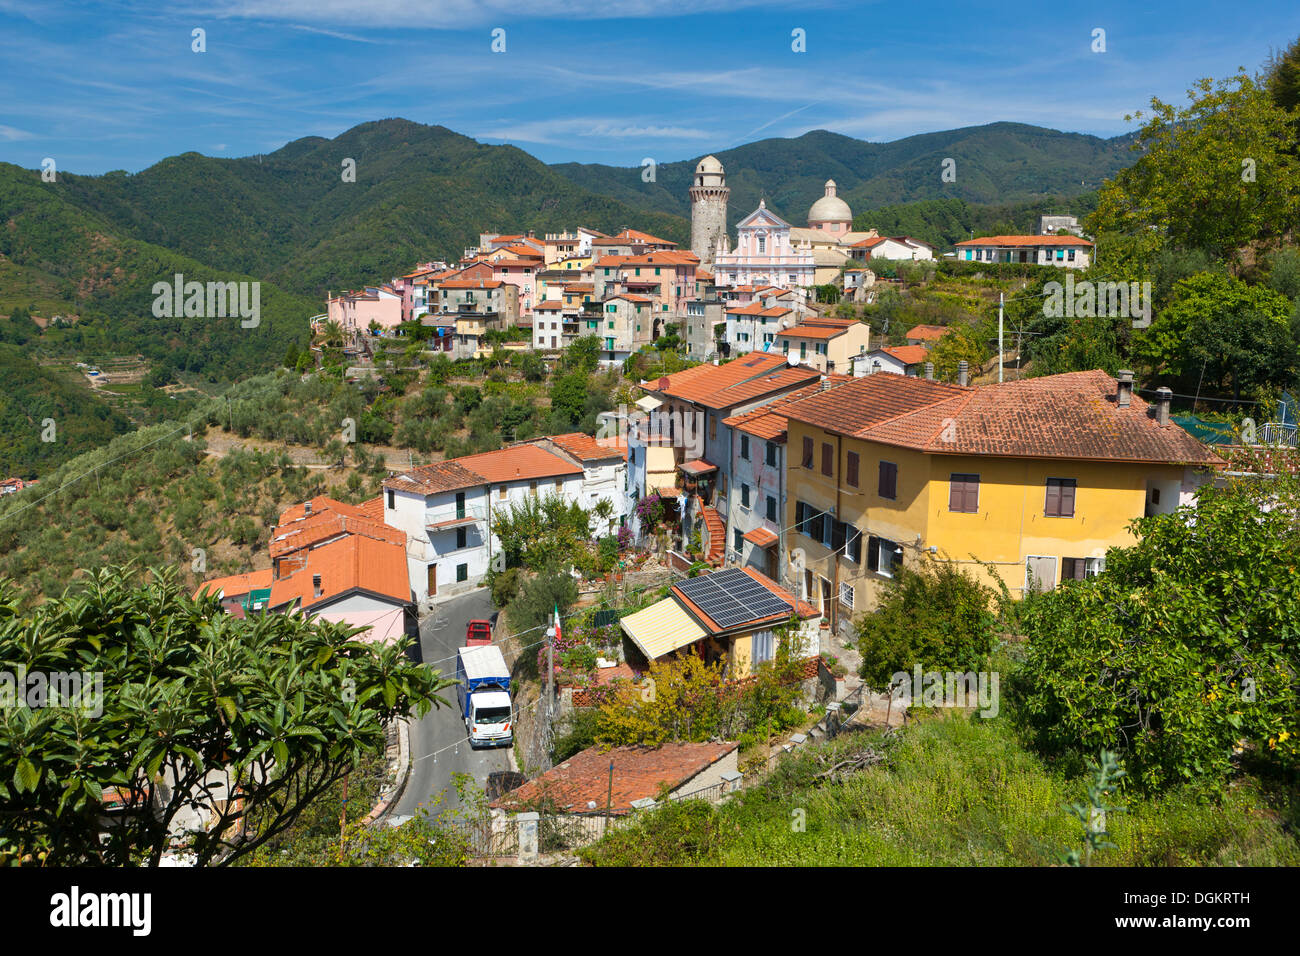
760	538
660	470
661	628
698	467
648	403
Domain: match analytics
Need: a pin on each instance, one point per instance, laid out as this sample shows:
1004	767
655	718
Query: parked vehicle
483	686
478	632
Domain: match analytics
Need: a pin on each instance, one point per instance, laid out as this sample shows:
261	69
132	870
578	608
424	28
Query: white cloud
11	133
561	131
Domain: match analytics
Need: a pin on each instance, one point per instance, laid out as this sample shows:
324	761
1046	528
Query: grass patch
953	790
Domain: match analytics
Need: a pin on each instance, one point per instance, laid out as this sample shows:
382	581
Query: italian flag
557	622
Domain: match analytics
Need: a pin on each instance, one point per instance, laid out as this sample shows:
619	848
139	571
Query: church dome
830	208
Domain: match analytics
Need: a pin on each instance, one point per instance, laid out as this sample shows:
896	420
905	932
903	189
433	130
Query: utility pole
550	674
609	797
1001	302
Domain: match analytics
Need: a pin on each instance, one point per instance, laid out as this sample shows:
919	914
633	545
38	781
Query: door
432	585
1040	573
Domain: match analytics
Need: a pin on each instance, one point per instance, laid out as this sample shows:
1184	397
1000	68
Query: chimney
929	371
963	372
1124	388
315	585
1164	397
306	508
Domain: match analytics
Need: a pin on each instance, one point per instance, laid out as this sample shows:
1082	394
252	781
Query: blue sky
100	86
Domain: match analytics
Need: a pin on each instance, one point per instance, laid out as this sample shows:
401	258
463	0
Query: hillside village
591	547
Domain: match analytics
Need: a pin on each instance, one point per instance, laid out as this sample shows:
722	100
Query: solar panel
732	597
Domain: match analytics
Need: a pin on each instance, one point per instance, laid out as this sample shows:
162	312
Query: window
771	508
460	504
713	429
763	644
1040	573
964	493
744	447
883	556
744	496
888	484
853	544
501	492
1060	498
462	572
771	454
460	538
846	595
739	541
1079	569
392	500
532	488
807	452
851	469
828	458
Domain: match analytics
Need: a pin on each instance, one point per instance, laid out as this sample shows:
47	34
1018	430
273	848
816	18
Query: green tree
936	616
276	707
569	396
1184	650
1216	174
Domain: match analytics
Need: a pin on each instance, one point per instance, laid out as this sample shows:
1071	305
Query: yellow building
1036	478
825	343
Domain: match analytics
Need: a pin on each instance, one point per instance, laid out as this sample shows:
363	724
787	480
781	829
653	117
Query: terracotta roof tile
907	354
582	783
927	332
585	448
348	564
737	382
1026	241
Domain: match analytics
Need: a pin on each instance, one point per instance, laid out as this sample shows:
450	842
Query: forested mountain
999	163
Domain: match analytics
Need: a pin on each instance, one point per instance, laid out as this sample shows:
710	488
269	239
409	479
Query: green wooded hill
997	164
421	192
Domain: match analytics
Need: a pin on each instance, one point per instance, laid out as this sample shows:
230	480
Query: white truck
483	686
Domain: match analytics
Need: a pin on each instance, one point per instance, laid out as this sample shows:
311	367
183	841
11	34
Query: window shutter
1067	498
851	469
807	452
828	458
837	535
972	493
854	549
1052	508
956	493
873	553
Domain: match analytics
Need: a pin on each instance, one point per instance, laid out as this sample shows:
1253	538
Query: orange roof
585	448
525	462
609	262
645	237
348	564
235	585
927	332
663	257
1026	241
514	264
629	296
309	532
744	380
1073	416
907	354
580	287
583	781
523	252
550	305
808	331
372	508
760	537
767	422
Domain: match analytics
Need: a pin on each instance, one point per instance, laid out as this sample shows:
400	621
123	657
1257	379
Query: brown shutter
973	493
1067	498
851	469
956	493
1052	507
807	452
828	458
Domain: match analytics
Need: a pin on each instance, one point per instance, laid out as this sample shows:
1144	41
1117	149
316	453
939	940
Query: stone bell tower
709	195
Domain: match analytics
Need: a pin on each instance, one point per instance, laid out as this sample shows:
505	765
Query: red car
478	632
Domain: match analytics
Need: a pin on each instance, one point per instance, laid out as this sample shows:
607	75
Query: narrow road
439	744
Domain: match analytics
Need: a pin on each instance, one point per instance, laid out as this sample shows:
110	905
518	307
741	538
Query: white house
604	473
446	510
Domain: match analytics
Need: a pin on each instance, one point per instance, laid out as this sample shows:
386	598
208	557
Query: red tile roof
236	585
908	354
582	783
663	257
808	331
471	284
767	422
735	383
1071	416
1026	241
927	332
645	237
319	527
525	462
585	448
760	537
348	564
